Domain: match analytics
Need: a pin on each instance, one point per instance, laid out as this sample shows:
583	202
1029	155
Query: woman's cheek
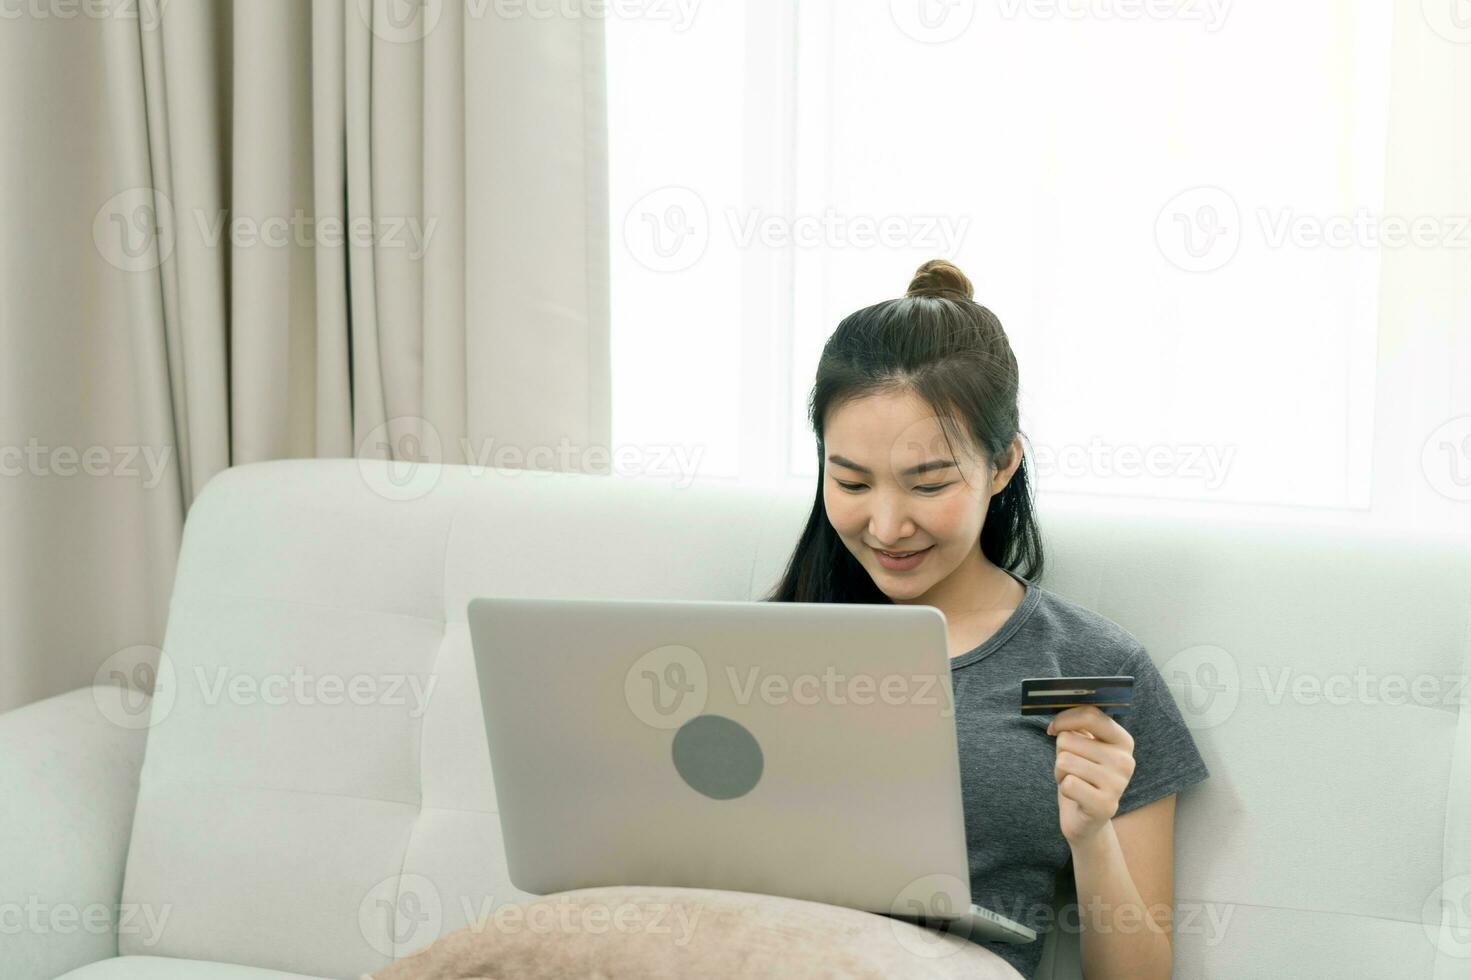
846	521
837	514
947	517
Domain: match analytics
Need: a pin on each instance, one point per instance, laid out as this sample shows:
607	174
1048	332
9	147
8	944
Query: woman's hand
1095	761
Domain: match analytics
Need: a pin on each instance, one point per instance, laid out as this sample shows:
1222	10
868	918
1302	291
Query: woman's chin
898	587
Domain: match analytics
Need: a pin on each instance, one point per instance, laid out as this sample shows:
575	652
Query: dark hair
938	343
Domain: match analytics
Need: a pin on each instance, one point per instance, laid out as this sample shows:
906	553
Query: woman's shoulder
1087	638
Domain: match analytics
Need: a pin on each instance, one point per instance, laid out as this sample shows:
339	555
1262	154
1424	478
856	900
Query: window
1169	212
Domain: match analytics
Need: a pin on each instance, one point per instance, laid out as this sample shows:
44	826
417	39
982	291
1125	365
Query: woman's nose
887	524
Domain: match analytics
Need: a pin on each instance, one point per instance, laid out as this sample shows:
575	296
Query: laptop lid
797	749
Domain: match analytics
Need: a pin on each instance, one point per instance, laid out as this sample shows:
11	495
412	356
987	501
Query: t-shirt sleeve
1165	757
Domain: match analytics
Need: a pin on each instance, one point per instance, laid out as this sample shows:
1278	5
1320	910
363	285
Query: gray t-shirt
1015	844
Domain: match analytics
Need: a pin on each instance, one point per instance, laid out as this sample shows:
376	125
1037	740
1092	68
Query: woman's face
876	503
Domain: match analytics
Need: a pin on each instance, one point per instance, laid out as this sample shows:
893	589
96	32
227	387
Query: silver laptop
805	750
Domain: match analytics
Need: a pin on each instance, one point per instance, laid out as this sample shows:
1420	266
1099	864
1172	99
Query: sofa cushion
170	968
660	933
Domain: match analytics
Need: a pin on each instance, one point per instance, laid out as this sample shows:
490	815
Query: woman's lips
902	564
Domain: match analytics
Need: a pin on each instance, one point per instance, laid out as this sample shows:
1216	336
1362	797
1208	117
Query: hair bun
939	276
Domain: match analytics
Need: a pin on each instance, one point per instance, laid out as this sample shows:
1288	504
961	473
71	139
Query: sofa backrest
317	797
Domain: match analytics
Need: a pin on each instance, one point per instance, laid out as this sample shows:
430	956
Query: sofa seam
199	784
449	532
1451	769
1308	911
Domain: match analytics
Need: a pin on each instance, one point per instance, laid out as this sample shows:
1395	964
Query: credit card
1049	695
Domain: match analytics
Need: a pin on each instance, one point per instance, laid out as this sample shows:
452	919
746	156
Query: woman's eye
930	488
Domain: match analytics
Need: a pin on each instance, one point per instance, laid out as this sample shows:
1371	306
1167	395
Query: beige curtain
239	231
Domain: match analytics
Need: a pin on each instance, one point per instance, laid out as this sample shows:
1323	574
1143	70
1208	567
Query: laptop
804	750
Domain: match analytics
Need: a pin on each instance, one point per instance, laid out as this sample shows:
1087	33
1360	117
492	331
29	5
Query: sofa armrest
68	787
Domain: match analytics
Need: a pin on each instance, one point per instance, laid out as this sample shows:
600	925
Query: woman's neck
975	587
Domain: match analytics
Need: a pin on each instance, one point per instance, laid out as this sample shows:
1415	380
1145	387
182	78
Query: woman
924	497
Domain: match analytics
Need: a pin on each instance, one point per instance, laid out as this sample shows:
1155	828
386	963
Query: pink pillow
655	933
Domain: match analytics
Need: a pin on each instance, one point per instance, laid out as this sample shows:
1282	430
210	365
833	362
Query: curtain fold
337	228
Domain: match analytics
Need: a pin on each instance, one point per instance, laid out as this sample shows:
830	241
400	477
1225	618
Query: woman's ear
1008	466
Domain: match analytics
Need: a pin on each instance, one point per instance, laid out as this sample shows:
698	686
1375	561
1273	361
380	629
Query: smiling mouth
900	554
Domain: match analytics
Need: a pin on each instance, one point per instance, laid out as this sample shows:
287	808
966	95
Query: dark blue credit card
1049	695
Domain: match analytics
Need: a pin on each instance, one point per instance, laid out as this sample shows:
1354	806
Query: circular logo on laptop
717	757
931	897
667	686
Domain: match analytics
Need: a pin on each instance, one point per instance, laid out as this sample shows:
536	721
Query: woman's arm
1125	883
1123	866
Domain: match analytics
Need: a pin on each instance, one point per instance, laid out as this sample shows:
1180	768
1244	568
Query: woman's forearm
1120	939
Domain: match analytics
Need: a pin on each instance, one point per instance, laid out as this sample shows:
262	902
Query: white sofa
259	839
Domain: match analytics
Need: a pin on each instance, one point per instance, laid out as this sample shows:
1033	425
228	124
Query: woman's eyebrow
934	464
